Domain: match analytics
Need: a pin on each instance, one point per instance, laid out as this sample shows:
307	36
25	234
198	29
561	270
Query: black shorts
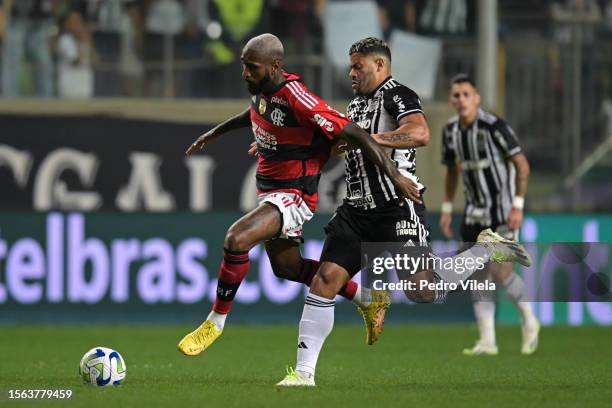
349	227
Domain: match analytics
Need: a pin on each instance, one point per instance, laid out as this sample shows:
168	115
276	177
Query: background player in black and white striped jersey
373	212
484	149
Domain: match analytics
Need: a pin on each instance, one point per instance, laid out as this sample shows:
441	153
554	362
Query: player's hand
201	142
515	219
445	224
253	149
408	188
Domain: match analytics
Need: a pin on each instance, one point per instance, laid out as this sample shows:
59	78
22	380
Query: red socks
234	268
348	291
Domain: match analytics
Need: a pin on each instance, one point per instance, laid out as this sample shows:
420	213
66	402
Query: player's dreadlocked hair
371	45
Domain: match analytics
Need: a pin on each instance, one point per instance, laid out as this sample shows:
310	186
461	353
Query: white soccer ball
102	366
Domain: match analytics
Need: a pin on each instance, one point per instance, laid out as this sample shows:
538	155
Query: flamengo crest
278	117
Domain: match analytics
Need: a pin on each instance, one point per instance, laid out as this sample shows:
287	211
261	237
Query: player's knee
236	240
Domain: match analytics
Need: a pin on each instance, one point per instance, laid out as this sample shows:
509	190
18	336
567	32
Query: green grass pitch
411	366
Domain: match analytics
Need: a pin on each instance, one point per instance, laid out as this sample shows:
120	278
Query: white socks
316	324
515	287
485	310
485	317
363	296
217	318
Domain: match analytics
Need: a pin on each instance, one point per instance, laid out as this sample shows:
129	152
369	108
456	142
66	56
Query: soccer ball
102	366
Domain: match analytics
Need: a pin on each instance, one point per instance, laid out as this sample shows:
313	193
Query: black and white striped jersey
367	187
483	151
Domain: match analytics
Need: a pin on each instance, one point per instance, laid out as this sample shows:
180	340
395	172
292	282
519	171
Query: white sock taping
363	296
217	318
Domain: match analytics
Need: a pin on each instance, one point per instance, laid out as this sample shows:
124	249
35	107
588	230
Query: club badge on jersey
278	117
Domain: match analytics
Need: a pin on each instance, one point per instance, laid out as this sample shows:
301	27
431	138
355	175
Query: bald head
266	46
262	63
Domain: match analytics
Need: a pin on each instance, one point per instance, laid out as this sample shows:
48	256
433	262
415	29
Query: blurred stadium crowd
85	48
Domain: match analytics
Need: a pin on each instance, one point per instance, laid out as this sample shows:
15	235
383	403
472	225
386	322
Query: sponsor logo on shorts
403	228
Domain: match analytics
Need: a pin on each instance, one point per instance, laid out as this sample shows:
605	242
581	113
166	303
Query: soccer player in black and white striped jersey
374	212
484	149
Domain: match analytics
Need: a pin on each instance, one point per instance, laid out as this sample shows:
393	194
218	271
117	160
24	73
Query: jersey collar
289	77
383	83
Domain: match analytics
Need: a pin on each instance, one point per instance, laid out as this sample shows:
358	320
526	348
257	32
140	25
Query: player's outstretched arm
235	122
412	132
360	138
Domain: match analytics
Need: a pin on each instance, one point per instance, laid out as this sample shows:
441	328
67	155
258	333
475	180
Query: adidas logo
302	345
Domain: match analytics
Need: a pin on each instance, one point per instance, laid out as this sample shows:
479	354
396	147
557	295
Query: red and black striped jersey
294	130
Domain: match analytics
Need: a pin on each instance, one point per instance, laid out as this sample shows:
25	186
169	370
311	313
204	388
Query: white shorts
293	209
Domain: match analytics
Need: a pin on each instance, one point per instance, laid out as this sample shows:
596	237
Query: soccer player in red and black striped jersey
294	130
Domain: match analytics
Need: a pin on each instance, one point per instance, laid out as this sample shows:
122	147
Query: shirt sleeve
505	138
402	101
313	112
448	151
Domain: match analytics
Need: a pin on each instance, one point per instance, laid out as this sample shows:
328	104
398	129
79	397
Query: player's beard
257	88
358	90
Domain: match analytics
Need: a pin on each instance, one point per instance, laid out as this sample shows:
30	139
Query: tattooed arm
412	132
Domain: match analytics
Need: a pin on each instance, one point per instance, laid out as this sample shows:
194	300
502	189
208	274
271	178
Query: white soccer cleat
530	337
481	349
504	250
295	379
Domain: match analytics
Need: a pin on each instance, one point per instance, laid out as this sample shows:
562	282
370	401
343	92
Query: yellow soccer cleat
200	339
374	315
